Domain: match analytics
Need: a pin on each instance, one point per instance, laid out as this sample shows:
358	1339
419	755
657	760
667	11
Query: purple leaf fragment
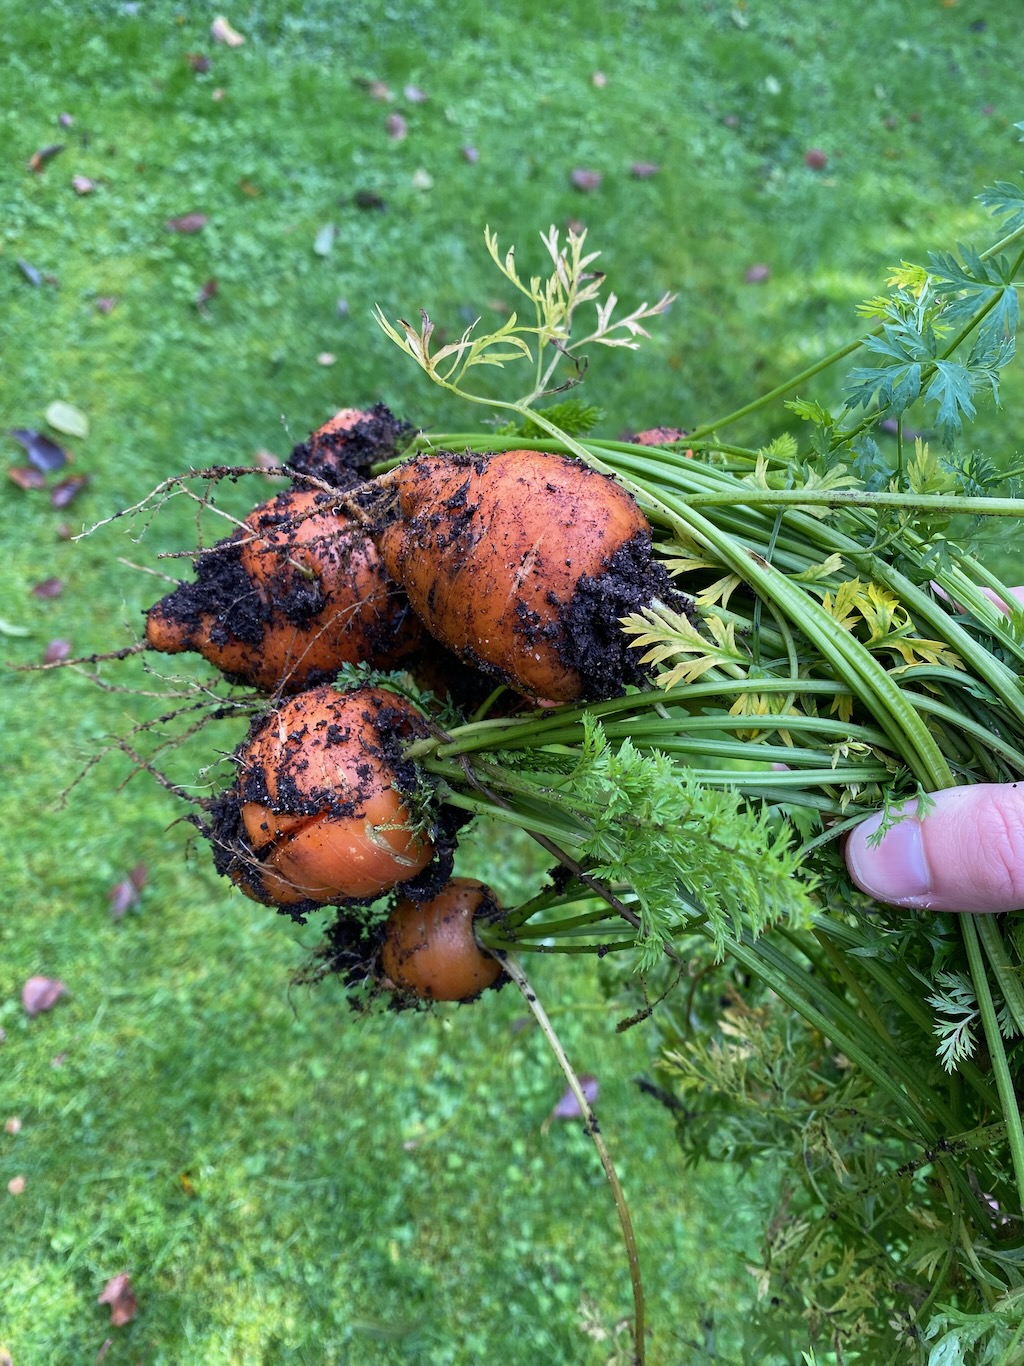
41	993
568	1106
45	454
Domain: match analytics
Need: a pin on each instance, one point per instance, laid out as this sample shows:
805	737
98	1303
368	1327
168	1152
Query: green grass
312	1232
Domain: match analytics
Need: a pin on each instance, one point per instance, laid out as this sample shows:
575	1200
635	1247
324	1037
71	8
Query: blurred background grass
284	1181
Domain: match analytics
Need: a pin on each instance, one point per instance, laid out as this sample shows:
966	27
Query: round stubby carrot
430	949
317	814
296	593
523	563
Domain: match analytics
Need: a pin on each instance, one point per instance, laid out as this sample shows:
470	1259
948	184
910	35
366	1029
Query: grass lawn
285	1181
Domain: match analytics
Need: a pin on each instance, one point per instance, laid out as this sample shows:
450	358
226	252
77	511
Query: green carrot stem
997	1053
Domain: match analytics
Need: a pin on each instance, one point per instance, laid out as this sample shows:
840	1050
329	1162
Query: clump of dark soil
342	452
588	633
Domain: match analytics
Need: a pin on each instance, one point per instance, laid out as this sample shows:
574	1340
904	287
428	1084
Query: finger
966	853
991	594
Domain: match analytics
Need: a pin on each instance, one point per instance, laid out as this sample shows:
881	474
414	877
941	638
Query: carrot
522	564
430	949
320	812
296	593
341	452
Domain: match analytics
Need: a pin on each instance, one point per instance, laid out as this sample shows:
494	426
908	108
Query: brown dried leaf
198	61
38	160
380	90
42	993
26	478
65	493
48	588
585	180
187	222
53	654
119	1294
397	127
207	292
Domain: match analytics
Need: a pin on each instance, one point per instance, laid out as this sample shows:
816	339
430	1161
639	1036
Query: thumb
965	853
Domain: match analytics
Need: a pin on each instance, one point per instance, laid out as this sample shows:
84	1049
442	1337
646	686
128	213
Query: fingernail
895	870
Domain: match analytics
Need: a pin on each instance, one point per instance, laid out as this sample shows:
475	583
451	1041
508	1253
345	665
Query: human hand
964	853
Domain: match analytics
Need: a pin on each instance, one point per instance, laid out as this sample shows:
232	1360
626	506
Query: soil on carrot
288	793
343	457
587	633
330	586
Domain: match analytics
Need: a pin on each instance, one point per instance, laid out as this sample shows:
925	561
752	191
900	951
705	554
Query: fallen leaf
422	179
45	454
586	180
415	95
12	1125
30	273
198	61
81	184
65	493
815	158
643	170
42	993
380	90
248	188
106	303
218	94
65	120
126	893
326	358
222	32
59	1059
205	294
53	654
16	1185
368	199
323	243
26	478
757	274
118	1293
48	588
397	127
599	80
38	160
66	418
187	222
568	1107
471	154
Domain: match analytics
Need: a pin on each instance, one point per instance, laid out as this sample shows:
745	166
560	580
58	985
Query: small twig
515	971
